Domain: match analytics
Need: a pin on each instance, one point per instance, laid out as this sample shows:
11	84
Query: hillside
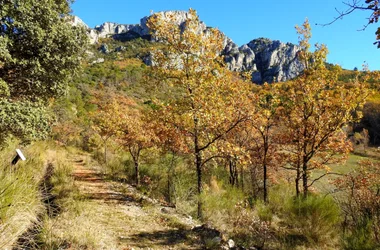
161	141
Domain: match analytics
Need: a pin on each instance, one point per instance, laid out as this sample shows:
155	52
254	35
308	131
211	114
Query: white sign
20	154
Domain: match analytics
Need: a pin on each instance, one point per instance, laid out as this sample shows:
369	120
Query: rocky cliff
270	61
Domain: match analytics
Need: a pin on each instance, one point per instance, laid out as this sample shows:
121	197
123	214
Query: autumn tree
135	134
316	107
264	122
169	141
254	144
209	100
39	52
107	118
233	154
120	118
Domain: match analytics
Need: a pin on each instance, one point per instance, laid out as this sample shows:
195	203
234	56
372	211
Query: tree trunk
298	177
170	174
198	163
169	199
233	172
305	180
253	174
265	168
265	183
242	178
136	156
137	173
105	151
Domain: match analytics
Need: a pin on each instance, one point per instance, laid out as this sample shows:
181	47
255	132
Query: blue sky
244	20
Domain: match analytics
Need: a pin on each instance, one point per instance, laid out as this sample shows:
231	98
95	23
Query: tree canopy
39	52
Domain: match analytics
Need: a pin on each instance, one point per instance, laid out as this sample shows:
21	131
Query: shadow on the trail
170	237
112	196
98	180
89	177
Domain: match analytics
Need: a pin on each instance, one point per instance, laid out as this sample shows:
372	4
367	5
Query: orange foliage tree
263	143
316	107
209	100
107	118
136	134
120	117
254	144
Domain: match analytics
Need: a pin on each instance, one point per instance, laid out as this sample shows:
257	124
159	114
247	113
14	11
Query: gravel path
131	220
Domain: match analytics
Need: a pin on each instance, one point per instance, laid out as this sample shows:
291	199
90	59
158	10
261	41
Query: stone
109	29
231	243
99	60
167	210
93	36
104	48
120	49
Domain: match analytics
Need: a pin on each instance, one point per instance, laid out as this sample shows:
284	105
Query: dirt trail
130	219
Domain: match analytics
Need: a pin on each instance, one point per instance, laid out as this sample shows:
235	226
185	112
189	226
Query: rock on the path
231	243
167	210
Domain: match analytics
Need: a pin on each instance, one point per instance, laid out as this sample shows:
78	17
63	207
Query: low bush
313	221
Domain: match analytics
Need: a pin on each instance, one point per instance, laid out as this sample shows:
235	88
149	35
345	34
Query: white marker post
19	156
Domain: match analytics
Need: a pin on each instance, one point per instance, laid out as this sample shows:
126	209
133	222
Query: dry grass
77	227
20	200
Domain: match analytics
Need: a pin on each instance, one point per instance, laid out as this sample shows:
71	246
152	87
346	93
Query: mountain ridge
269	60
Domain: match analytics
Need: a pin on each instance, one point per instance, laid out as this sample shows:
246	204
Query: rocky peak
76	21
270	61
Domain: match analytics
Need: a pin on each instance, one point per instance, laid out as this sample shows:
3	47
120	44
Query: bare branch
323	175
353	6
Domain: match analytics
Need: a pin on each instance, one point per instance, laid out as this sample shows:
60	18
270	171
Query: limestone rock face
76	21
270	61
131	31
179	18
239	58
110	29
276	61
92	35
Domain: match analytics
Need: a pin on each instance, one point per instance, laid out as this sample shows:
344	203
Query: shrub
312	221
251	230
